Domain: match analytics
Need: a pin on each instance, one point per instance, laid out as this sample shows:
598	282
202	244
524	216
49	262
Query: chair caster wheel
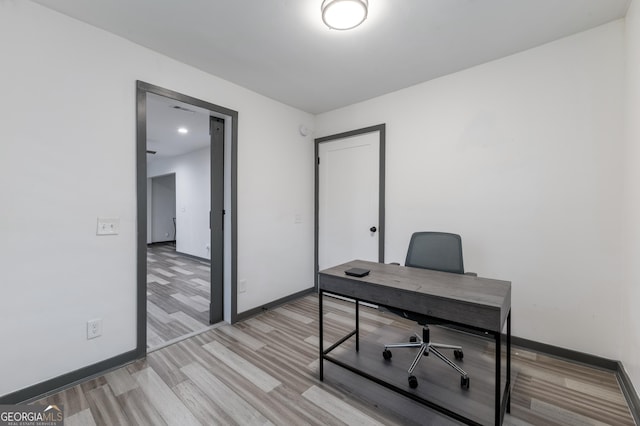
458	354
386	354
413	382
413	339
464	382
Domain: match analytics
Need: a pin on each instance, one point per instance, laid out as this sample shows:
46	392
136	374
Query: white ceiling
163	121
281	49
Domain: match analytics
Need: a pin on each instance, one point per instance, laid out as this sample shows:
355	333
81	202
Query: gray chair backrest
439	251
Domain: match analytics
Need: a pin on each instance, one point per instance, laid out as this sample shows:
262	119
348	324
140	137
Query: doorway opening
161	223
186	174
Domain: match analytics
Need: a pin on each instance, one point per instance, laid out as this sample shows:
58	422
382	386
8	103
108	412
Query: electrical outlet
94	328
242	286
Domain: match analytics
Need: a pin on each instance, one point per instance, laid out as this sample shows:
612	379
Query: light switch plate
108	226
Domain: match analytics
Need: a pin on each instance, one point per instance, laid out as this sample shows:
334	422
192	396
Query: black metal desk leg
509	361
357	325
498	399
321	342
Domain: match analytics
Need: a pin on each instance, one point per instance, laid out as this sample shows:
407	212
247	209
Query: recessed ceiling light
344	14
183	130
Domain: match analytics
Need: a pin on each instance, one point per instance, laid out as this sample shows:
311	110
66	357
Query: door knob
373	229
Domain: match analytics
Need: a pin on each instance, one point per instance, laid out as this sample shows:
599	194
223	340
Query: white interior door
348	196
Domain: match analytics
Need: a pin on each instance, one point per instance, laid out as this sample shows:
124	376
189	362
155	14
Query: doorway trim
381	129
142	89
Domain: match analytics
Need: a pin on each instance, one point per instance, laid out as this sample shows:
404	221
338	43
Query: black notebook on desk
357	272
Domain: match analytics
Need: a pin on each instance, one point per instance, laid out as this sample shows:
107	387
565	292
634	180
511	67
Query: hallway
178	294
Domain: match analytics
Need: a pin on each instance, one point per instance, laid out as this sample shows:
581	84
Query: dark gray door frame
381	128
142	89
216	218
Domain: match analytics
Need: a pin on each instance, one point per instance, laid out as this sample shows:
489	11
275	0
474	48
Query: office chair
437	251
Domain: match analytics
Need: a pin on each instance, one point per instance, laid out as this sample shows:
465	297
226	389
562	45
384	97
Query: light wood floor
265	371
178	294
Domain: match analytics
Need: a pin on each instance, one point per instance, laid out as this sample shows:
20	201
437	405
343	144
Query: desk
475	303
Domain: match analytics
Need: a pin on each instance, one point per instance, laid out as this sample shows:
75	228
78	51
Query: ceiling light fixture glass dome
344	14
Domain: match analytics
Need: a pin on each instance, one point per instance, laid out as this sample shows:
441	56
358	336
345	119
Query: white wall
163	207
67	126
522	157
193	198
630	354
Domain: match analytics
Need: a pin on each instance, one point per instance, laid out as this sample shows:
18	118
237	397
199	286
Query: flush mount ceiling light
344	14
183	130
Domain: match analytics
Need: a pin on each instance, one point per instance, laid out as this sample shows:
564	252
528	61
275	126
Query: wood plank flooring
264	371
178	294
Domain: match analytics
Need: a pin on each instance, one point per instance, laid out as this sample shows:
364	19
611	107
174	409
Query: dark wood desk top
468	300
